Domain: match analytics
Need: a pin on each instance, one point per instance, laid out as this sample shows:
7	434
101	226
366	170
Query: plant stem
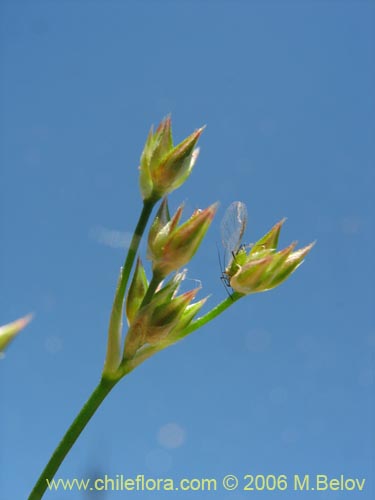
194	325
113	356
134	244
72	434
154	283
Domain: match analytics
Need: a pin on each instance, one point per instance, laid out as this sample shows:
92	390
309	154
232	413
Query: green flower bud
171	246
159	317
166	316
263	268
162	226
188	315
164	167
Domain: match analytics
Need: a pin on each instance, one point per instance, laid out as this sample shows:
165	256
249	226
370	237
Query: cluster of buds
263	267
171	246
164	167
157	314
165	314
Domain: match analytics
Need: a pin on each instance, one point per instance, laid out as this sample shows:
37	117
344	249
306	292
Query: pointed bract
9	331
189	314
294	260
270	240
137	291
113	354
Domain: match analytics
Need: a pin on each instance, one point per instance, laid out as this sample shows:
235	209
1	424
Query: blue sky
282	383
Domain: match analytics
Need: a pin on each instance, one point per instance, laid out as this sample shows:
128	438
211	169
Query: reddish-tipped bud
263	268
159	317
189	314
164	167
166	317
171	246
291	263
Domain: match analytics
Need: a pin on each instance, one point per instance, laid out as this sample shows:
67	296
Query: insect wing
233	226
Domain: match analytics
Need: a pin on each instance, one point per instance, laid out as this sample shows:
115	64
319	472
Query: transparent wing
233	226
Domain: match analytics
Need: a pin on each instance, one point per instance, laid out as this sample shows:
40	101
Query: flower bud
166	316
159	317
188	315
164	167
263	268
170	246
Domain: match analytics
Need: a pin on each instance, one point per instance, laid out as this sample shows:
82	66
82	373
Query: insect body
233	226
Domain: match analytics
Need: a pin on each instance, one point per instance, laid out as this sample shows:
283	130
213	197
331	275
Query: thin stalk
112	359
71	436
154	283
134	244
198	323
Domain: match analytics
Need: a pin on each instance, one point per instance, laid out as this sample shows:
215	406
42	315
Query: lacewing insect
232	227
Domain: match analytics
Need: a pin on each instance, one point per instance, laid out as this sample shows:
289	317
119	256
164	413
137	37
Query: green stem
154	283
198	323
134	244
72	434
113	355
